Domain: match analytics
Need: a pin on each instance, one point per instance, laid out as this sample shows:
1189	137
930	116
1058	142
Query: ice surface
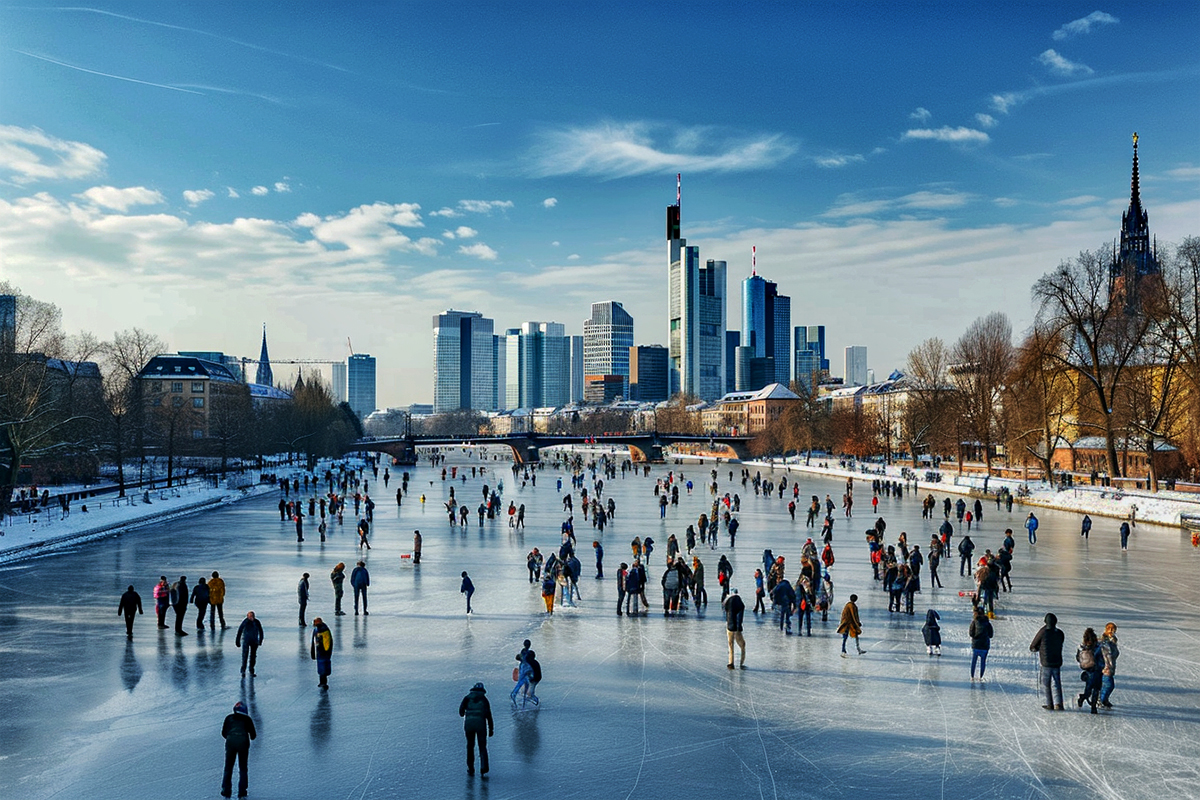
631	707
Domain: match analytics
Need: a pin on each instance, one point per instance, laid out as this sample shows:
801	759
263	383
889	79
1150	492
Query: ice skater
467	588
932	632
237	730
735	611
360	579
302	595
130	605
980	634
321	650
249	637
1048	644
476	712
338	578
850	626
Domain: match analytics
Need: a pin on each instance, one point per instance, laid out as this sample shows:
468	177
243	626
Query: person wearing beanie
338	577
1048	644
735	610
130	605
237	731
476	712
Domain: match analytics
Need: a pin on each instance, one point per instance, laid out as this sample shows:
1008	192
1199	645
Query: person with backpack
1091	661
1048	644
980	633
476	712
966	549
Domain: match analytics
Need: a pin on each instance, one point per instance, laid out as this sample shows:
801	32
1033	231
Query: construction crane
349	346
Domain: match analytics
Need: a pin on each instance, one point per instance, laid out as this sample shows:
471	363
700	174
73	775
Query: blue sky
351	170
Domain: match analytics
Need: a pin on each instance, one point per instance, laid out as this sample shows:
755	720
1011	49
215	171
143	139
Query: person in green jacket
476	712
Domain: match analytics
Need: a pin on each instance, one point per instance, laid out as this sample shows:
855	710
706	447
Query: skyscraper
696	316
339	382
464	373
813	338
808	367
537	365
766	327
264	376
856	366
648	367
607	337
8	323
360	379
733	340
576	369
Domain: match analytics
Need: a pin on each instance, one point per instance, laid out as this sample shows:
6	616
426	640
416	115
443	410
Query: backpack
537	669
1086	658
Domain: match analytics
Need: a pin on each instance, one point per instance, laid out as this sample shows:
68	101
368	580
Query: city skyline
902	172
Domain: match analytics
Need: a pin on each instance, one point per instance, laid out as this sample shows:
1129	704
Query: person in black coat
735	611
131	604
179	601
238	730
981	641
302	596
476	712
1048	644
249	637
932	631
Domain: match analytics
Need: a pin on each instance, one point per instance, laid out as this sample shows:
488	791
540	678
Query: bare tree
1099	339
1038	398
927	422
674	417
124	429
983	357
1182	279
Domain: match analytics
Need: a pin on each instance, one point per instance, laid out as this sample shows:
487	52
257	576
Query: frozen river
631	707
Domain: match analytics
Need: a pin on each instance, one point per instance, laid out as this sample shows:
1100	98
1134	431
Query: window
197	402
156	386
197	386
177	402
197	433
176	386
156	402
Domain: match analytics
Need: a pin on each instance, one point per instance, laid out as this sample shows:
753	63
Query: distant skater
467	588
238	731
130	605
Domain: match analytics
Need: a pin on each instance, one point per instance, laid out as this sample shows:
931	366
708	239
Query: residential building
607	337
696	316
856	366
360	384
748	413
648	369
232	363
181	392
340	389
464	367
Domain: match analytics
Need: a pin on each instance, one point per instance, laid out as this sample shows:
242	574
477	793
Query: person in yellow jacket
216	600
850	626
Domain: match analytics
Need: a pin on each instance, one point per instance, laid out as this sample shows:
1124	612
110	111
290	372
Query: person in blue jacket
1031	525
1086	527
1125	535
360	579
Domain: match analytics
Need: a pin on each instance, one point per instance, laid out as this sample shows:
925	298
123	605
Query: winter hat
478	686
733	591
239	707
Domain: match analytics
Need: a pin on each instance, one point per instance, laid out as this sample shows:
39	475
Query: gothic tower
1135	275
263	376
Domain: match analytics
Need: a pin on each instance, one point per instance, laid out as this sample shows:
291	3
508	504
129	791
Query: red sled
971	595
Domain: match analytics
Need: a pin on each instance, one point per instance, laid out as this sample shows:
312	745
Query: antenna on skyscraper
753	259
679	187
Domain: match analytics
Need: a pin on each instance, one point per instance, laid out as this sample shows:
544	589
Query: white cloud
30	154
260	191
1063	66
232	192
550	202
370	230
959	135
1003	102
121	199
1184	173
852	206
839	160
615	150
461	232
445	212
1083	25
985	120
921	114
573	257
282	187
478	250
195	197
1006	202
1080	200
555	244
484	206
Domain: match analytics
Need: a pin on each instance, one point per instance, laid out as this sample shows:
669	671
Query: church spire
1135	272
1135	192
264	375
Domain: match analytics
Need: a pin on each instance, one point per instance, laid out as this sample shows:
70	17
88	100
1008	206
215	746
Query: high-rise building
8	324
733	340
813	338
648	368
360	384
464	370
808	367
340	394
537	368
696	316
577	369
263	376
856	366
607	337
500	368
766	327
